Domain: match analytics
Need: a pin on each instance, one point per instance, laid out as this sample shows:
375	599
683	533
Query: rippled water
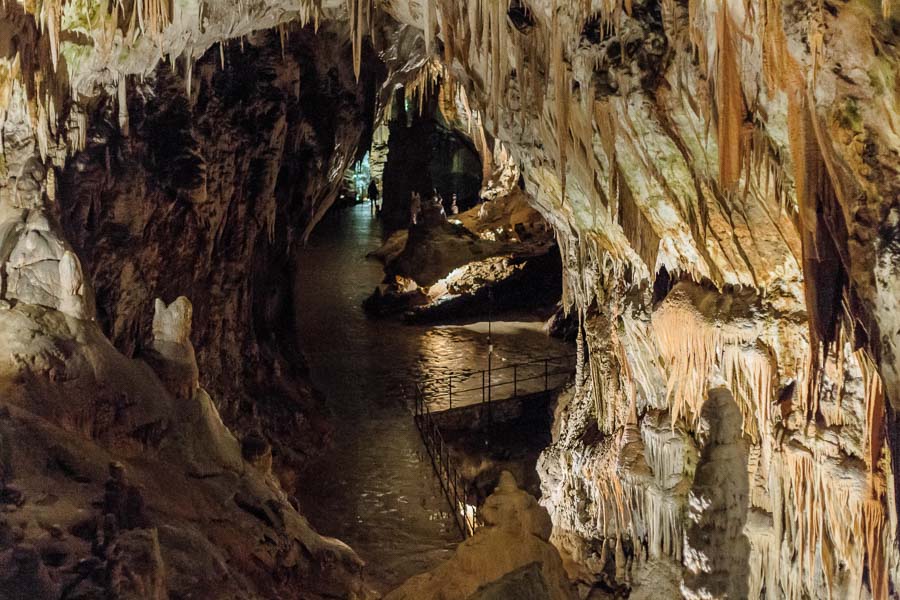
374	489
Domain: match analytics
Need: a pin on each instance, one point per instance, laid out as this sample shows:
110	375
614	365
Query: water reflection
375	489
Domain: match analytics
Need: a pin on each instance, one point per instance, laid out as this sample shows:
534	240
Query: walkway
375	489
483	397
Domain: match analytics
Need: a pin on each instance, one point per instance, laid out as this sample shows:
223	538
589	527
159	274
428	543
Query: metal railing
498	383
453	486
521	379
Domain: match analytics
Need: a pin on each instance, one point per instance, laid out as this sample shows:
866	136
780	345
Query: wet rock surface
384	500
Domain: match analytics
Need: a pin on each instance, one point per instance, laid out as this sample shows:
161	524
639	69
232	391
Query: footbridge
474	401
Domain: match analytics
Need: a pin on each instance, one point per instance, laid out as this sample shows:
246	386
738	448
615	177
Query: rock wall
426	152
206	195
127	186
117	476
722	180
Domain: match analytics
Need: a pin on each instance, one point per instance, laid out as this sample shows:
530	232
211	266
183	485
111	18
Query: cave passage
375	488
223	376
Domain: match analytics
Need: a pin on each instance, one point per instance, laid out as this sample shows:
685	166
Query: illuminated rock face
176	213
722	179
38	264
512	541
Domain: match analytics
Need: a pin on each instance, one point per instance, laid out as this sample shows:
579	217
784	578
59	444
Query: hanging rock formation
722	181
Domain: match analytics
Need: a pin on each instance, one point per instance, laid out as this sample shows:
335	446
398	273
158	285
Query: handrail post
453	487
455	500
546	376
447	462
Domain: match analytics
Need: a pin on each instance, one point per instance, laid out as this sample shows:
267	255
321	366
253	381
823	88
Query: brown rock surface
721	178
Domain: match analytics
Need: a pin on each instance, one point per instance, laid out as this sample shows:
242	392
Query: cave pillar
716	550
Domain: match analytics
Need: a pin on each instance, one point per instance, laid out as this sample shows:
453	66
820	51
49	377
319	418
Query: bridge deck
475	400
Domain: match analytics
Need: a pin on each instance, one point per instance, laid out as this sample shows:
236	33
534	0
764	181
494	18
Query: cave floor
374	488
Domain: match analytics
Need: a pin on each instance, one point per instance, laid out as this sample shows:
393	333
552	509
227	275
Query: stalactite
776	60
356	34
429	17
360	12
695	345
503	48
9	78
495	54
696	27
428	79
448	33
81	125
730	102
823	511
188	72
637	228
875	410
153	16
561	96
52	19
822	269
874	523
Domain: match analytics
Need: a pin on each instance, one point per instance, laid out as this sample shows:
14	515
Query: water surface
374	489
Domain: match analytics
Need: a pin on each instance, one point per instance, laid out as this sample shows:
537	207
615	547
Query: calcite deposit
499	255
514	537
722	181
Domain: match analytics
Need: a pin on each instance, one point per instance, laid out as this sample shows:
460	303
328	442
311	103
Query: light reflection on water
374	489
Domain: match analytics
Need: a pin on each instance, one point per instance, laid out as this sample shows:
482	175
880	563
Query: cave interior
449	299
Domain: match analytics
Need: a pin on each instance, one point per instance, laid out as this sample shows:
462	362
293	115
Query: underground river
374	489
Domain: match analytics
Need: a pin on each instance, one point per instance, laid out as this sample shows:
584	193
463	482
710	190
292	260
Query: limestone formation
513	541
482	260
137	570
172	352
25	576
38	266
721	178
74	396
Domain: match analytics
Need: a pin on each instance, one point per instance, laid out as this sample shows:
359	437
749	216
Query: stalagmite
122	94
